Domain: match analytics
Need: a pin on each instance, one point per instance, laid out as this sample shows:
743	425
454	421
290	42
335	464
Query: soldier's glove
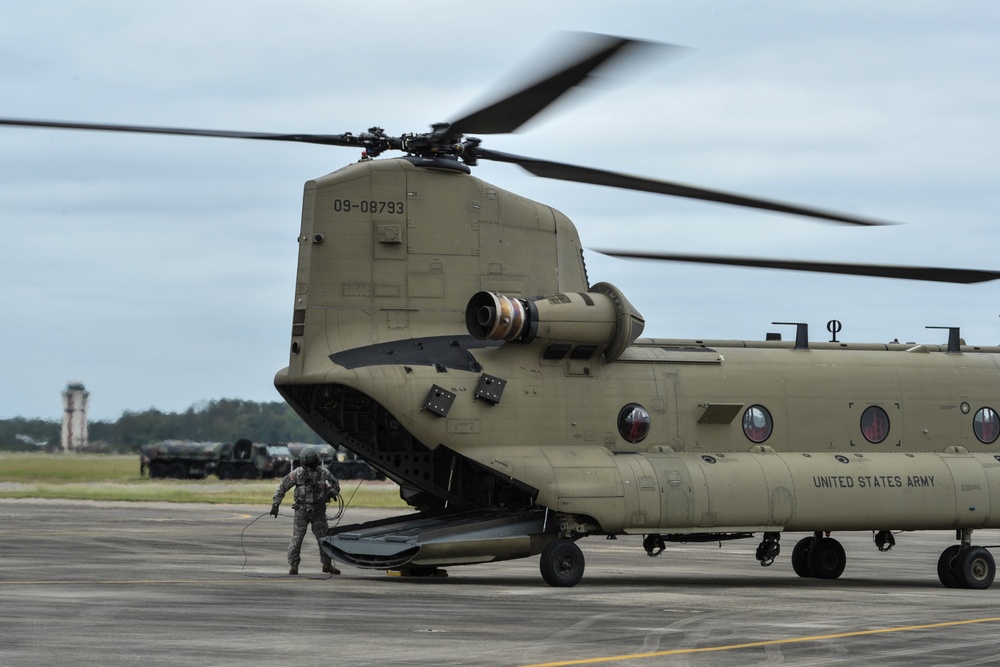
274	510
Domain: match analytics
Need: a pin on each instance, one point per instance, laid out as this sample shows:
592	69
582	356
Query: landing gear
975	568
768	549
827	558
562	563
966	566
884	540
653	544
800	557
819	557
946	566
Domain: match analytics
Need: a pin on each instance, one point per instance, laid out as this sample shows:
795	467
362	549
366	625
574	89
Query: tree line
224	420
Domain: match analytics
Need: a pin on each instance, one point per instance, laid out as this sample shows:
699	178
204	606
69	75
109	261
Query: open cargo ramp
431	539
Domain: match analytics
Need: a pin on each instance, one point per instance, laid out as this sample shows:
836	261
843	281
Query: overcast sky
159	271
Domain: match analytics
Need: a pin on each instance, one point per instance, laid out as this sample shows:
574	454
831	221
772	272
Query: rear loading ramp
431	539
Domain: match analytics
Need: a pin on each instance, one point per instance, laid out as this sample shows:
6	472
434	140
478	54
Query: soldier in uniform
314	487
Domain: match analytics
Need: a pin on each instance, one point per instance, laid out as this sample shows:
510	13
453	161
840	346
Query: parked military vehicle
180	459
342	464
251	460
350	466
186	459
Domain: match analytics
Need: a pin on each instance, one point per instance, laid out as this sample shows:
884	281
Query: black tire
827	558
800	557
227	471
157	470
177	471
946	567
975	568
430	571
562	564
340	471
247	471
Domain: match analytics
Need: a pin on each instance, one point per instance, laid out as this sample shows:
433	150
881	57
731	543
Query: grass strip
234	494
73	476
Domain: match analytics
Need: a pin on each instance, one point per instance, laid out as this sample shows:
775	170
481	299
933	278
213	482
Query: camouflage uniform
313	487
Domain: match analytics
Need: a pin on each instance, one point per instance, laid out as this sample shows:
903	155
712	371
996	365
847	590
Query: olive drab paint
419	285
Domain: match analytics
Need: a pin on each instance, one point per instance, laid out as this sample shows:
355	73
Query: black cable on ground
246	557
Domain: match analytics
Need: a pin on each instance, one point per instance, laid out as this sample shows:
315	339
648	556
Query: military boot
330	569
294	569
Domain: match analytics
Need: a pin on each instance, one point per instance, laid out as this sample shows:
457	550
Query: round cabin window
986	424
874	424
633	423
757	423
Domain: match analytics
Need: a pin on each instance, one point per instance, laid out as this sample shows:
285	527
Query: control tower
74	422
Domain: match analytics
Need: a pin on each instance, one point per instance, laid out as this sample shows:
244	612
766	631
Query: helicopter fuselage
445	331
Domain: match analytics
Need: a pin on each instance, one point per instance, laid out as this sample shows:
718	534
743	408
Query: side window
986	425
633	423
757	423
874	424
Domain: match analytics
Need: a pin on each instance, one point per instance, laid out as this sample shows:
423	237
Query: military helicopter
446	331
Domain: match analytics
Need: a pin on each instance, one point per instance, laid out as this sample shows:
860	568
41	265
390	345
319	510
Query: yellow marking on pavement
770	642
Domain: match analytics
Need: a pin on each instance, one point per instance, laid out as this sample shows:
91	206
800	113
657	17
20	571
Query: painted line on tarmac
770	642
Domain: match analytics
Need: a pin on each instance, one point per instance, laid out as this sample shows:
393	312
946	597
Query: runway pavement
91	583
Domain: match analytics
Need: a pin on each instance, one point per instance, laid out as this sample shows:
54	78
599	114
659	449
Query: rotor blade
513	111
931	274
568	172
324	139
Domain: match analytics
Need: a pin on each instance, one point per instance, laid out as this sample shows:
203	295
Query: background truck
186	459
251	460
180	459
341	463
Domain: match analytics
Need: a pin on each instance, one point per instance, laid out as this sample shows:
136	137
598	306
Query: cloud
160	270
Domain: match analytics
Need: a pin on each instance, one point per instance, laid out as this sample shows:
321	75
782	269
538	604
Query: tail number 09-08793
368	206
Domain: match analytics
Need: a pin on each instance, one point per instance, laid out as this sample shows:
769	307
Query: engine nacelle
602	317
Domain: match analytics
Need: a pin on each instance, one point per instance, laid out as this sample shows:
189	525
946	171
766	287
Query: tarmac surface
95	583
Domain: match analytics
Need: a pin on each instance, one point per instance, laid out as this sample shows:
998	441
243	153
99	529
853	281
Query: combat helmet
309	457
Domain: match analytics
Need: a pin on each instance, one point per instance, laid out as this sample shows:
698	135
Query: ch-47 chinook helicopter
446	331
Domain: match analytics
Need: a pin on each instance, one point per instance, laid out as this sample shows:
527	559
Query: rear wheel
946	567
975	568
800	557
827	558
562	564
